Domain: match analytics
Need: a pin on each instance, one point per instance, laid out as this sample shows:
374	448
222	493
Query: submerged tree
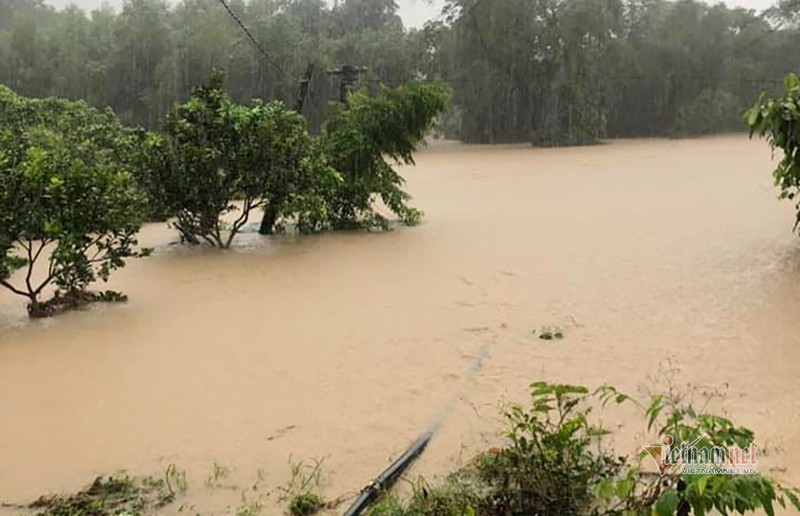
778	119
292	168
197	159
69	212
219	161
359	138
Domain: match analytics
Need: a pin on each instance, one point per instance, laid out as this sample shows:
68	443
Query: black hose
389	476
385	480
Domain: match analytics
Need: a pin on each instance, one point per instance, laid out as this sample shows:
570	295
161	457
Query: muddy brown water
346	346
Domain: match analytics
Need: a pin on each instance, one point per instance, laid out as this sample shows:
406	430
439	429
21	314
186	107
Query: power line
255	42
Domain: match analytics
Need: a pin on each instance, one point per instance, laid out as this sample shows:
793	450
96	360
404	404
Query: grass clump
302	490
306	504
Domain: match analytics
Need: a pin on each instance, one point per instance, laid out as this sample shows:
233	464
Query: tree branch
44	243
29	249
240	222
11	287
42	286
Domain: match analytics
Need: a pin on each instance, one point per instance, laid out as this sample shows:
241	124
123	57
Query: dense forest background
545	71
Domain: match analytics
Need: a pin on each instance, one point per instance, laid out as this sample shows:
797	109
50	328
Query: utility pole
302	92
349	77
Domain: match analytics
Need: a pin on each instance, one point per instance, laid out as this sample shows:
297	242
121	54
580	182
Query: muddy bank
346	346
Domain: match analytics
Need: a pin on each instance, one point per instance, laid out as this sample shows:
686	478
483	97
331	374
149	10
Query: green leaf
667	504
625	487
792	496
604	489
752	115
701	484
791	82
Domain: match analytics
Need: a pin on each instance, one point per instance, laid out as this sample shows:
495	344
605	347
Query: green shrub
555	461
778	120
673	416
550	464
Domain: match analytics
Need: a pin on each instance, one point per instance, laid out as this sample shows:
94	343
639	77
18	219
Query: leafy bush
64	200
727	494
712	111
361	135
556	462
778	120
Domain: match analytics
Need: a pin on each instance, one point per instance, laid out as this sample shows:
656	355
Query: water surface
346	346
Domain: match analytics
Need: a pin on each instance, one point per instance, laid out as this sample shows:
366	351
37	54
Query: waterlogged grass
126	495
218	474
306	504
109	496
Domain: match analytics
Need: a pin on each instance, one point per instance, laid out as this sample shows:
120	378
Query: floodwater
650	254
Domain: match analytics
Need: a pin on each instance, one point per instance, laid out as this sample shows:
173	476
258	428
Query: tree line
573	71
546	71
139	61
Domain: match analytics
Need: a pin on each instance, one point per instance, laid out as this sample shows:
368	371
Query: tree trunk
269	219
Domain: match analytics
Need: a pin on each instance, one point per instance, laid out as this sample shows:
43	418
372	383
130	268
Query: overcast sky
415	12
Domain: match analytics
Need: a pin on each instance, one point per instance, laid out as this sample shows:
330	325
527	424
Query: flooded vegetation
301	257
345	346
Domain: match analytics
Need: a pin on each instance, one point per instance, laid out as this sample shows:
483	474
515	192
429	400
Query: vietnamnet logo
692	459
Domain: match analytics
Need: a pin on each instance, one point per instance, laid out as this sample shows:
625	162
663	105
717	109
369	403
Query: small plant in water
175	480
302	489
248	507
551	333
219	473
306	504
111	296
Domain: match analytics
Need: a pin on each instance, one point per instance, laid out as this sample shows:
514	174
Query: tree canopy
65	199
359	138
